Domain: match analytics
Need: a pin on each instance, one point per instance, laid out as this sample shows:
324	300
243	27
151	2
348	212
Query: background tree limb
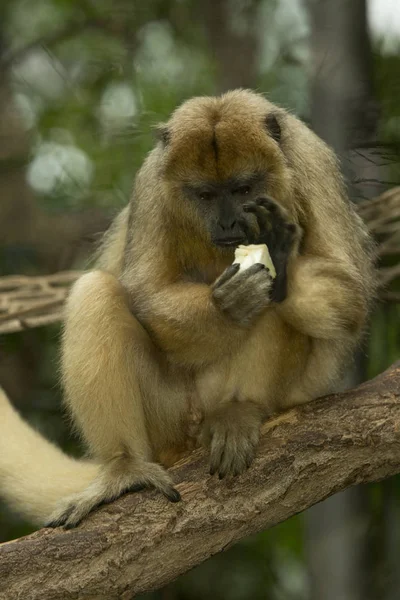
141	542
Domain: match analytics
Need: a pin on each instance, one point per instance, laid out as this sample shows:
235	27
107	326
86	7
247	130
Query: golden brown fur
145	338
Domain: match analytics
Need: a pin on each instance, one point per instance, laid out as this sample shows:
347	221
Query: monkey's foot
232	434
281	236
109	486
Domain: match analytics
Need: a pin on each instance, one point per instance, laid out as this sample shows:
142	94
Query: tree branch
27	302
141	542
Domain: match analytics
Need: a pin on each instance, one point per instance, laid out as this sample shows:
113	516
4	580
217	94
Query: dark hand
243	295
279	234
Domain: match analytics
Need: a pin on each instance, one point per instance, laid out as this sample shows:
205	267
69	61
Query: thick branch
141	542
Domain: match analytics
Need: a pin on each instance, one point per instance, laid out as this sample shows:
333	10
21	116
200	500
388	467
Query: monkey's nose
228	233
228	225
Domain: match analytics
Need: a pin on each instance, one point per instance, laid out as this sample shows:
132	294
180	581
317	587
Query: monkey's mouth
228	242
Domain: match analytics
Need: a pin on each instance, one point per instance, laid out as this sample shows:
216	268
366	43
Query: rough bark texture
141	542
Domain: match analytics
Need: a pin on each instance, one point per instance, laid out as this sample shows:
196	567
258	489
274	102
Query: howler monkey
166	323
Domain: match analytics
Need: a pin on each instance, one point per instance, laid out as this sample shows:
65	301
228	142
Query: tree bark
141	542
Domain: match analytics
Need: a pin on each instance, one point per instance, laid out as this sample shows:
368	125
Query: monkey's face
218	154
220	205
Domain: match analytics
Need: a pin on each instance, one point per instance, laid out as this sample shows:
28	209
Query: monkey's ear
273	127
162	133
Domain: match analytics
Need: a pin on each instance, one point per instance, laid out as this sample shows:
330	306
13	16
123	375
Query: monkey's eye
206	195
242	190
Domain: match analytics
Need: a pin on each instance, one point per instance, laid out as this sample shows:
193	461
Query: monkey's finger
226	275
250	458
279	219
236	288
276	210
217	451
291	231
270	204
283	240
168	491
226	460
254	269
249	231
172	494
60	519
155	477
75	512
262	214
229	457
244	453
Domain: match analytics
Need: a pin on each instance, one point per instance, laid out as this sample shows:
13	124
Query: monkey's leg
237	395
109	363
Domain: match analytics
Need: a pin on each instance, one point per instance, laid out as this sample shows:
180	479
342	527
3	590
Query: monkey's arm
328	302
197	324
184	321
321	297
106	356
325	299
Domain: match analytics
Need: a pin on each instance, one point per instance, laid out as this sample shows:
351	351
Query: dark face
221	206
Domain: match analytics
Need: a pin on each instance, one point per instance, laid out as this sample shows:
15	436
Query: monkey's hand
279	234
243	295
232	434
111	483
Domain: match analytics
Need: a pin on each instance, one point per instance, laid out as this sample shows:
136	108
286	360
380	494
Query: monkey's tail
35	474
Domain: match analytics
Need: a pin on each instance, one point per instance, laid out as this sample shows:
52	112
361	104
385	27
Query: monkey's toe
273	206
232	443
58	520
71	512
107	488
276	228
236	456
156	477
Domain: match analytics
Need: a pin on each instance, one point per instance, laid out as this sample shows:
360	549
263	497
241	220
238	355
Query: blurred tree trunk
345	114
234	40
388	569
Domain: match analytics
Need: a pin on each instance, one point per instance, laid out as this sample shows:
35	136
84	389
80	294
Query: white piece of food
247	256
